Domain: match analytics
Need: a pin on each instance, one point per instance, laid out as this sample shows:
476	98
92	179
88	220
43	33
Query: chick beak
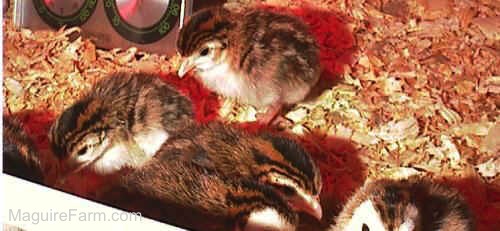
313	207
186	66
308	204
67	170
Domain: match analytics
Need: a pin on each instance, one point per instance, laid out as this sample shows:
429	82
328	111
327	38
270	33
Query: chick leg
272	117
267	117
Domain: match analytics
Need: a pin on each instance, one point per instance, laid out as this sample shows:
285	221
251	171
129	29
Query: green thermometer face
138	21
57	13
143	21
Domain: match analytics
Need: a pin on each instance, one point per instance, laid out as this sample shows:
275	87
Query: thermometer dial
143	21
58	13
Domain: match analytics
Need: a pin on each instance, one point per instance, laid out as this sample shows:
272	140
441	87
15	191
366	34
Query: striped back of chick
271	160
236	152
190	196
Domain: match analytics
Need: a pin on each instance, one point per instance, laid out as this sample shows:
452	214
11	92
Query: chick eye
204	52
82	151
365	228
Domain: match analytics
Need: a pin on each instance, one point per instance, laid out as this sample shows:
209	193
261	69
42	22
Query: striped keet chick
20	157
250	182
275	161
191	196
258	57
121	122
412	204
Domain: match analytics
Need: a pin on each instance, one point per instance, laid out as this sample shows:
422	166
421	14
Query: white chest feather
222	79
151	141
411	215
112	160
267	219
122	154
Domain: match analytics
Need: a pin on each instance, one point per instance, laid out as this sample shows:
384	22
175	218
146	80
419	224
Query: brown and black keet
20	156
258	57
189	196
121	122
276	160
243	181
413	204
